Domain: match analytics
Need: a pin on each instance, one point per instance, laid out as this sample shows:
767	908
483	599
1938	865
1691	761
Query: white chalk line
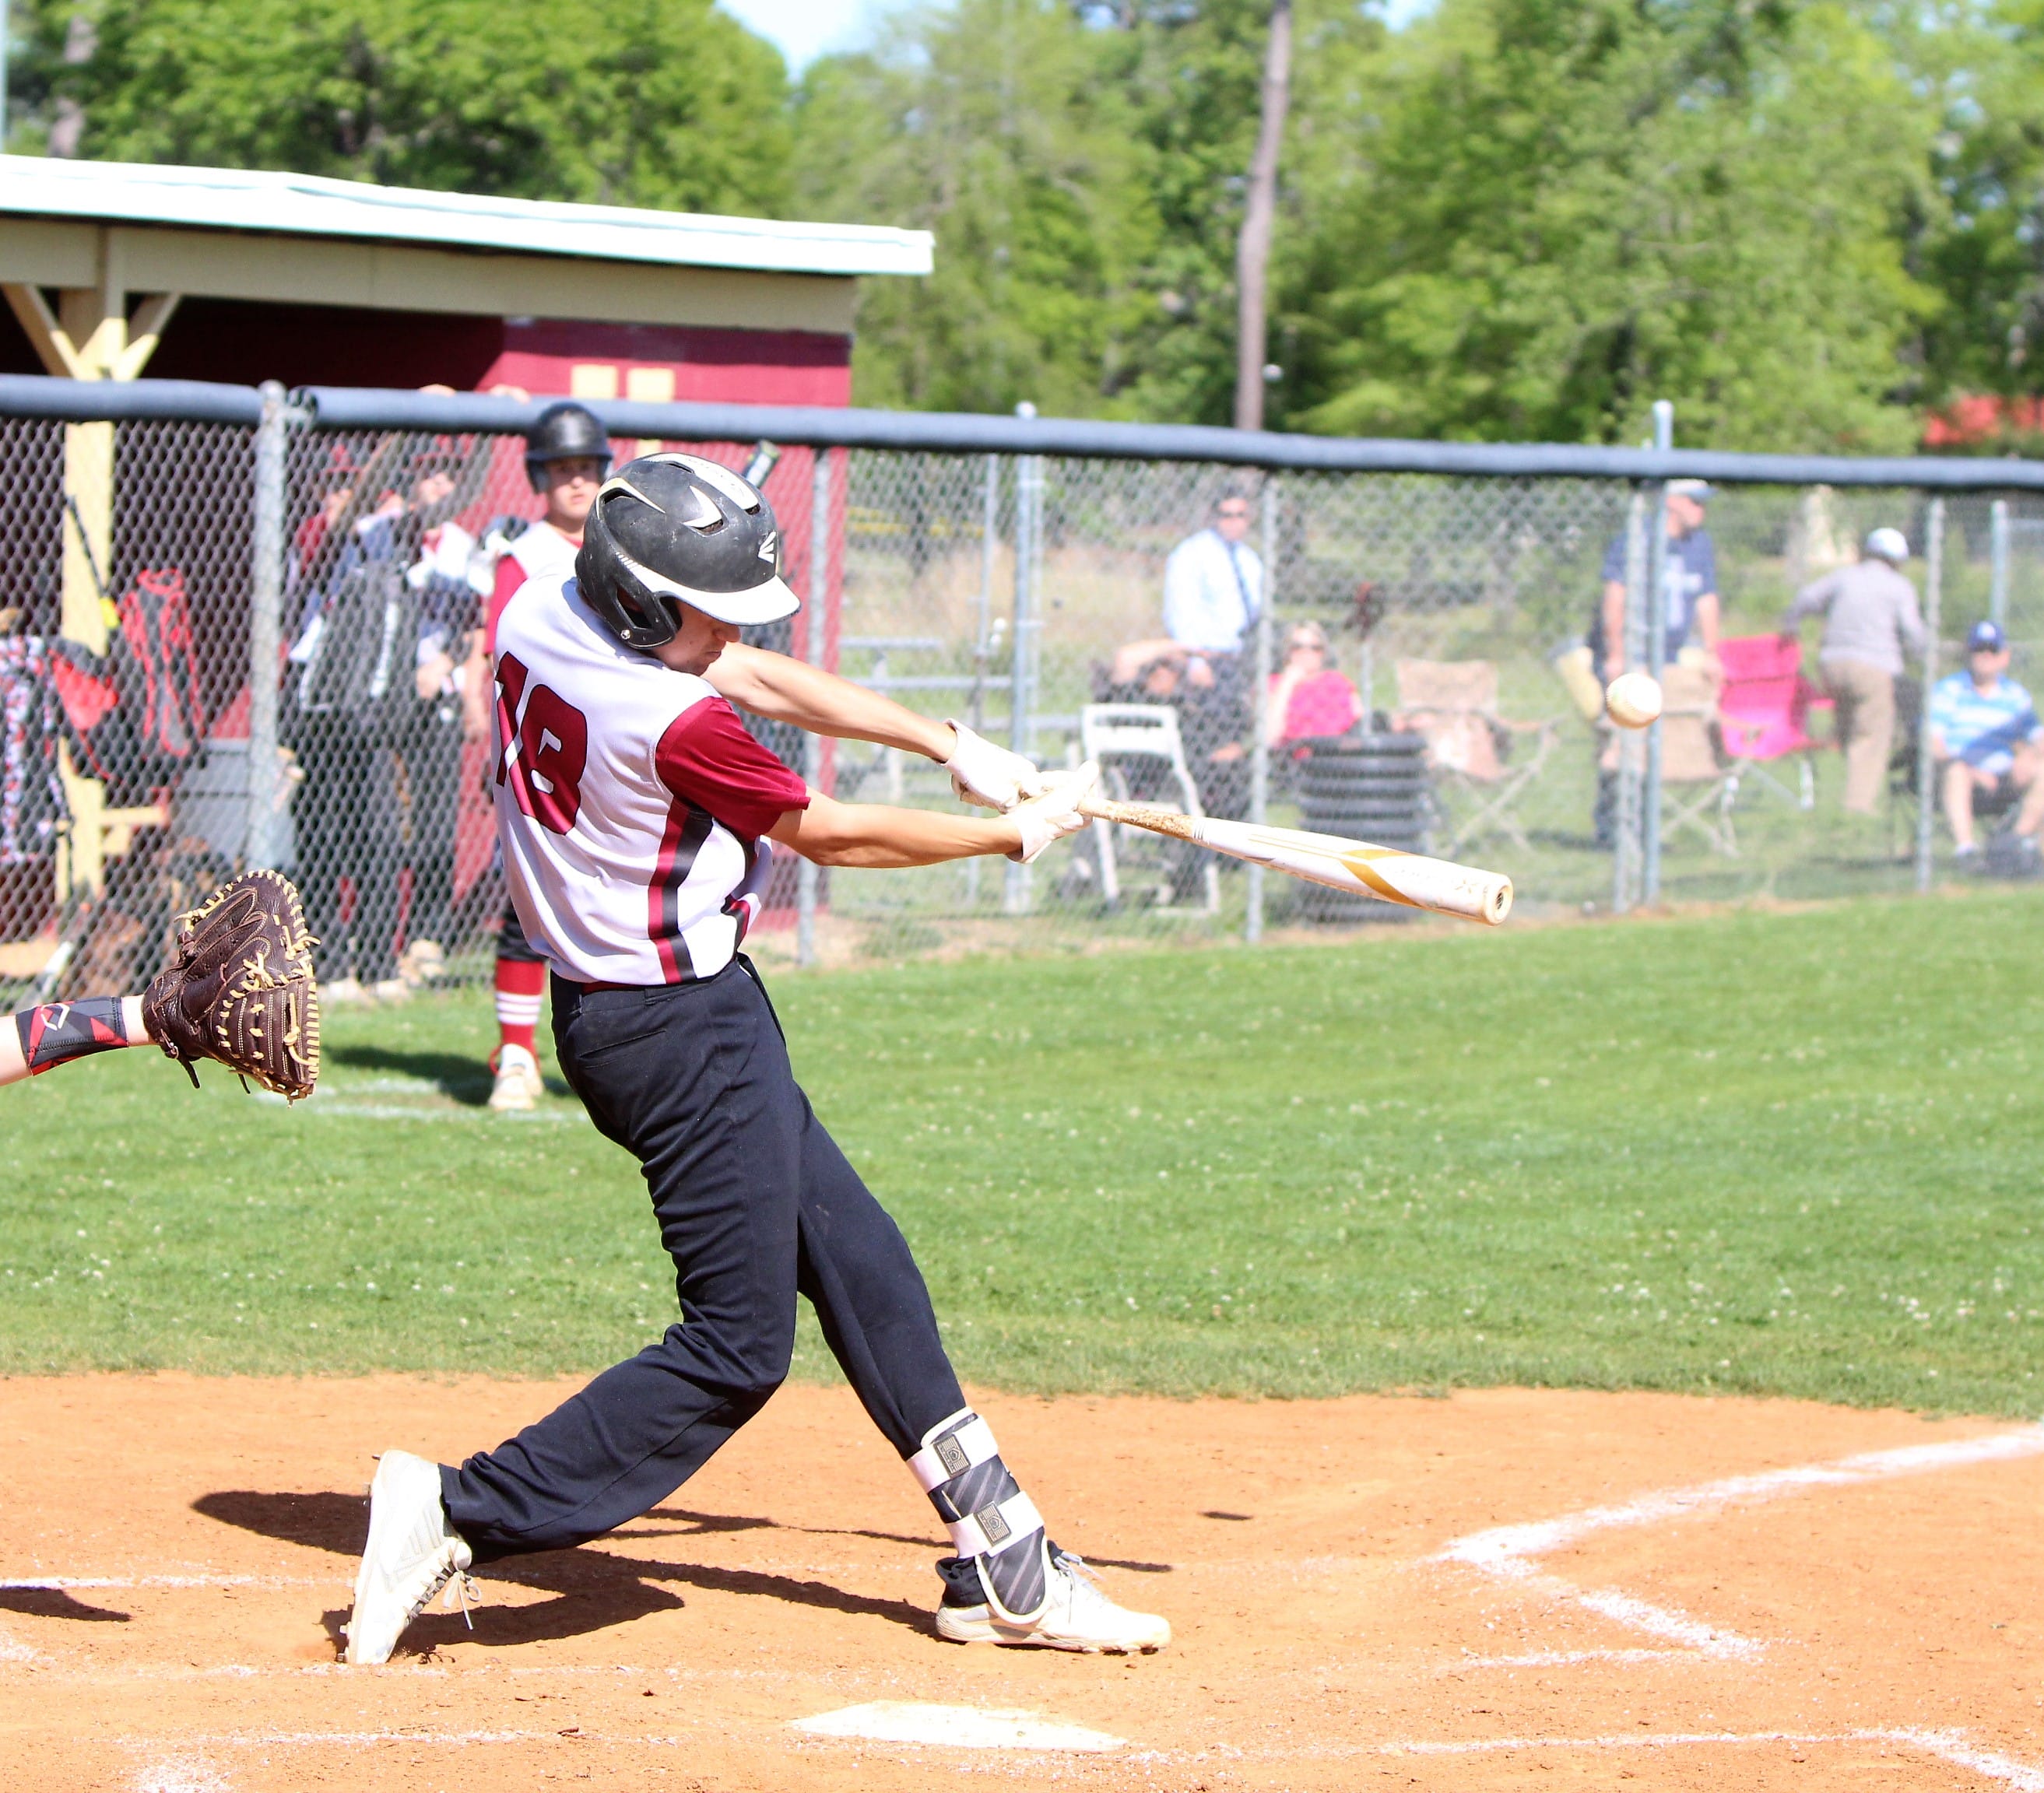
954	1727
339	1107
1952	1746
12	1649
1505	1552
1562	1659
64	1583
181	1773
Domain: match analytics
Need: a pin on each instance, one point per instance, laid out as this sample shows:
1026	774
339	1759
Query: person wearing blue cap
1985	736
1690	583
1690	586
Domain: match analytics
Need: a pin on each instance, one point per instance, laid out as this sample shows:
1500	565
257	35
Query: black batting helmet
668	530
564	432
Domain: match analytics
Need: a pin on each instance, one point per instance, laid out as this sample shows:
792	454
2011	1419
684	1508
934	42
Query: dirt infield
1501	1590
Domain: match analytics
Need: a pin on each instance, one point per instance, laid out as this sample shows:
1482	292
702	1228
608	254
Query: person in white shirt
1213	589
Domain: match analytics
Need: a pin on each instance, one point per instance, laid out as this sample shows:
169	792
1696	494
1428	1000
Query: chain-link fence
224	641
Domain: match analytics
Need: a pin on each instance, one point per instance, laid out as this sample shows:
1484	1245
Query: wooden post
88	336
1252	250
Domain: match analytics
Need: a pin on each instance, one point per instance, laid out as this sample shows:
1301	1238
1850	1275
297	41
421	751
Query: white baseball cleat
1078	1616
412	1554
519	1085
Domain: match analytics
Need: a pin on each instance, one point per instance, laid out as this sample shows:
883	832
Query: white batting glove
982	772
1055	814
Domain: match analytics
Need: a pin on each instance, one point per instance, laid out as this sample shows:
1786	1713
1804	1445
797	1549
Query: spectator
1985	736
1213	587
1308	698
349	806
1690	586
1870	623
450	580
1690	583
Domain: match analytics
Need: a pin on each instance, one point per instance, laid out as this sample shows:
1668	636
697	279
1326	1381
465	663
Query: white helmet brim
768	602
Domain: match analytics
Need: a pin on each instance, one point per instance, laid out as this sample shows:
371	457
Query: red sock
520	986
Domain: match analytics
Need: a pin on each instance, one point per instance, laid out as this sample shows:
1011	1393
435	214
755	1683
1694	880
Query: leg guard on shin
995	1526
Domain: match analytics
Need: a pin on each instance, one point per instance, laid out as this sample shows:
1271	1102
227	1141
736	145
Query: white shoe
519	1085
411	1556
340	992
422	963
1078	1616
392	991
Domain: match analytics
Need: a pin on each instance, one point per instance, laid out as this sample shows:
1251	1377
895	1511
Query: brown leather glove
241	989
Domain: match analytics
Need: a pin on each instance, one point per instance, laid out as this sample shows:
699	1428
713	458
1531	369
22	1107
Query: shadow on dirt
700	1522
593	1589
54	1602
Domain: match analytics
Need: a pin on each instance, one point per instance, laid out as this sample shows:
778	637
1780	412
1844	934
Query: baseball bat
1411	879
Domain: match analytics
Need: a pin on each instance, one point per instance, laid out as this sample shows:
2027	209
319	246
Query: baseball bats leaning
1440	885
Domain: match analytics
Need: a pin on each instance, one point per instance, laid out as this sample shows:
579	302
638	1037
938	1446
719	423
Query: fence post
813	643
1997	598
1927	770
983	645
266	604
1625	856
1657	655
990	544
1259	752
1028	502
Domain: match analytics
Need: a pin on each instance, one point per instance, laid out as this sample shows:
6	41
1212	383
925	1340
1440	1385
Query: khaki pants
1865	697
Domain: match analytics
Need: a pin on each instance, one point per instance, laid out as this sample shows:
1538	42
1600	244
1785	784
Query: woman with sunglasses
1308	696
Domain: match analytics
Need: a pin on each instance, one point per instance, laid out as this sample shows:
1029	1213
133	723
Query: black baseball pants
755	1202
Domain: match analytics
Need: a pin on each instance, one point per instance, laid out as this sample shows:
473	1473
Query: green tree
995	125
1083	167
1567	209
643	103
1982	247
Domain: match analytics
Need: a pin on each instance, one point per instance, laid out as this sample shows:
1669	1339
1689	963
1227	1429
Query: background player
566	456
635	811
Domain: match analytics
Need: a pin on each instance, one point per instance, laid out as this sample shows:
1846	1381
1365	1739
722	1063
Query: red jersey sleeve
707	758
510	576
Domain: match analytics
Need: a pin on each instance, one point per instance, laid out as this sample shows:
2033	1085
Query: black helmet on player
564	432
668	530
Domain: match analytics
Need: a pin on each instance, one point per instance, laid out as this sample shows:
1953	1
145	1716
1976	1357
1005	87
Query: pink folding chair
1763	709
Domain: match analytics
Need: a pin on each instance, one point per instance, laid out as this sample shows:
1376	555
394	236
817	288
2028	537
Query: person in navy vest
1690	586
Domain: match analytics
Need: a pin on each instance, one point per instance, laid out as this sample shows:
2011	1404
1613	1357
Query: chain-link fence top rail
1012	590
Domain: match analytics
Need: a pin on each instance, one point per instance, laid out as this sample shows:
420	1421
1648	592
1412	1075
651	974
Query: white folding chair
1115	734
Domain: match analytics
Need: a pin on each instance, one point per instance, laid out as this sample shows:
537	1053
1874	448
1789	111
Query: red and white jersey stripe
541	552
630	800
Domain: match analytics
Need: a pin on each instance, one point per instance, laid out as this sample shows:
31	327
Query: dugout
238	276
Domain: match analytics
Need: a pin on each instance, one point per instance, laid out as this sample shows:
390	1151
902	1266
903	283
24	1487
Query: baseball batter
637	818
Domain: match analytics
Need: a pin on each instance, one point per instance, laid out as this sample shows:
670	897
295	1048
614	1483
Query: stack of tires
1366	787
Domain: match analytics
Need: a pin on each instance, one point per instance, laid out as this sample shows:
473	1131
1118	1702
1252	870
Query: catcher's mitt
241	988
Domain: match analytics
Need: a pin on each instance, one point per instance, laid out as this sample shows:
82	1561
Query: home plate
956	1727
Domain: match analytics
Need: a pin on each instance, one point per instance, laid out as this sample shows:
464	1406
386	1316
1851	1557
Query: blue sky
806	29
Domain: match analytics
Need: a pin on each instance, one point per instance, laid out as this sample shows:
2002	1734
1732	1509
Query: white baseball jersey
541	552
630	800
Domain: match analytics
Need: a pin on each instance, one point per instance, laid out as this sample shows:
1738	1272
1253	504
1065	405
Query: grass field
1791	1153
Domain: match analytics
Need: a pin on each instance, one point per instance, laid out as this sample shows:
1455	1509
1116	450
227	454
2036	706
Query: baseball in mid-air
1633	700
